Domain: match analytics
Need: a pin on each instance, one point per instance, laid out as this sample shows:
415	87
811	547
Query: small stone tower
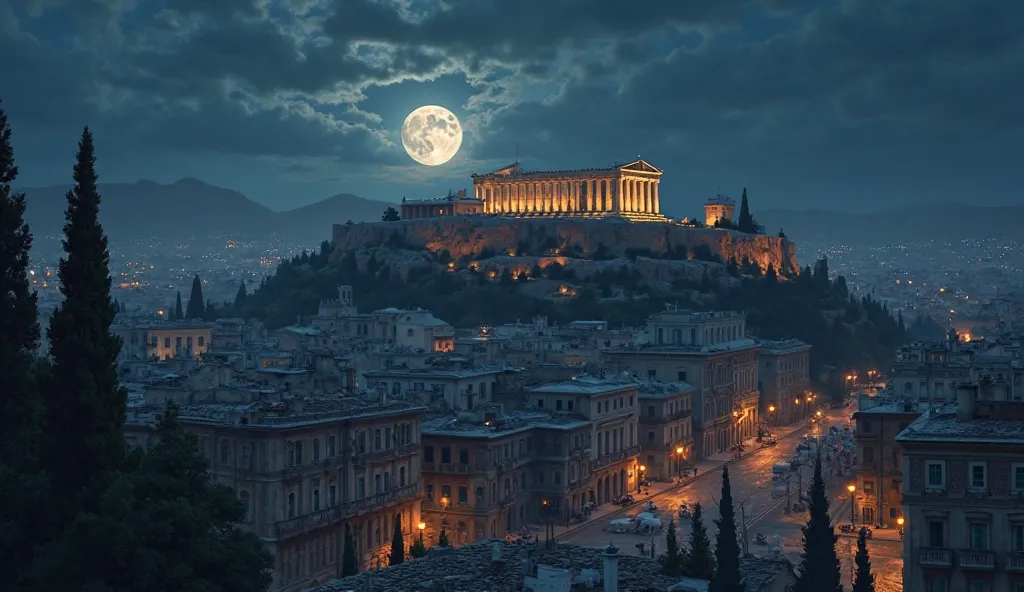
718	208
611	568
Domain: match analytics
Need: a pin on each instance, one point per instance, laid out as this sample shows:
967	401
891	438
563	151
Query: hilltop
191	208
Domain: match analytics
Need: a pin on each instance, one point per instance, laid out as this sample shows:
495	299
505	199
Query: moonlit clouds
813	103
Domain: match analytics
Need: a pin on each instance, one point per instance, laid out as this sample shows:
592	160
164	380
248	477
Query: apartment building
666	428
931	371
487	473
459	389
783	377
610	406
418	329
879	458
162	341
709	350
963	498
306	469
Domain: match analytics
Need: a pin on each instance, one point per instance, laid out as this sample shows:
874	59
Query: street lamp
422	526
899	524
640	476
679	460
771	414
853	502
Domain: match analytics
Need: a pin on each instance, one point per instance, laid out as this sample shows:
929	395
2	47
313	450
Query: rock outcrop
469	236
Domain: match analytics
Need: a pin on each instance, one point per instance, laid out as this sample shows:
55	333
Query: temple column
650	197
657	201
637	194
534	196
576	196
630	195
645	203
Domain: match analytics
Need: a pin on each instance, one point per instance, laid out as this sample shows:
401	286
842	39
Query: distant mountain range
192	208
946	222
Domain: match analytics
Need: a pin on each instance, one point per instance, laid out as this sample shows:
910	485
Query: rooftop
656	389
666	350
510	422
589	384
435	372
943	425
782	346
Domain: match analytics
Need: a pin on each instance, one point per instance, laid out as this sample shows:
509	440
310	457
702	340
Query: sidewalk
841	515
704	467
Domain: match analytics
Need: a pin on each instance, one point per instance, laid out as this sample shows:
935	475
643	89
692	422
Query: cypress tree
418	549
240	298
727	550
349	561
819	565
672	561
20	409
700	561
397	545
23	510
178	312
442	539
745	223
85	406
863	581
196	308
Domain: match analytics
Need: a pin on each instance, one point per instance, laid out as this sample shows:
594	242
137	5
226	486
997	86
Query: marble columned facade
629	190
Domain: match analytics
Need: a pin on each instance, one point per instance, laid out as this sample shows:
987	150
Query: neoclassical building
628	190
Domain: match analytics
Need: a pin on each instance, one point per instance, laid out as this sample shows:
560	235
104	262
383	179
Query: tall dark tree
165	526
819	564
397	545
240	298
672	561
196	308
85	406
700	561
418	548
22	489
178	312
863	581
19	321
390	215
727	550
349	561
745	223
442	539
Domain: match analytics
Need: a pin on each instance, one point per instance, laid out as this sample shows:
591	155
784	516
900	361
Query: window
1017	538
540	403
935	471
428	454
225	451
243	496
167	342
401	476
316	449
463	495
430	491
177	342
377	439
480	496
865	426
332	494
936	534
291	505
202	341
869	455
1017	479
446	454
977	586
869	488
681	376
332	446
934	584
977	479
316	500
558	405
978	534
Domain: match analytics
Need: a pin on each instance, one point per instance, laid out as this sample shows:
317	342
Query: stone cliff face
471	235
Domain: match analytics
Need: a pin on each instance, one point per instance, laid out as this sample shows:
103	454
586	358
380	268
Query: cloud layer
840	105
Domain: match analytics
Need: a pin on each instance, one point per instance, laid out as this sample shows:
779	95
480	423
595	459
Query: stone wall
470	235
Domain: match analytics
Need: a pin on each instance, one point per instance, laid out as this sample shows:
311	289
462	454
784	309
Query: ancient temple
628	191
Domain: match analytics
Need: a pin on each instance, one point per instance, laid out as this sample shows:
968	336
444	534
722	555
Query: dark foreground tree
864	581
165	526
22	488
819	565
418	549
85	406
727	550
672	560
240	298
700	561
349	561
390	215
442	539
196	308
178	312
397	555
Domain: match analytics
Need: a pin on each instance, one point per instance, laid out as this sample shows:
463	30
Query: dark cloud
789	86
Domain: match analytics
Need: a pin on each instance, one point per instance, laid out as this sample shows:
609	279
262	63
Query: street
751	480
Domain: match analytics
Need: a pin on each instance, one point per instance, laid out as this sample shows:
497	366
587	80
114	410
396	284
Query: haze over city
521	296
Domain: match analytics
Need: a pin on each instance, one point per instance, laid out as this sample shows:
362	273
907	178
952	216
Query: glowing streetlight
771	409
679	449
819	414
422	526
899	526
445	501
853	503
796	401
899	521
643	468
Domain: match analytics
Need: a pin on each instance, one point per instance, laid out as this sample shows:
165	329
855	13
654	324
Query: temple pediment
641	166
508	171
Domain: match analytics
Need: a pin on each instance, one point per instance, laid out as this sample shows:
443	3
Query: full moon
432	135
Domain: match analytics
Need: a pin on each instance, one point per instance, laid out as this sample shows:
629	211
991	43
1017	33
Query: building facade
710	351
162	341
963	495
451	205
665	418
306	470
879	459
629	190
784	379
719	208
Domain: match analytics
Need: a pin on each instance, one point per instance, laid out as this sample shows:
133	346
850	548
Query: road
751	481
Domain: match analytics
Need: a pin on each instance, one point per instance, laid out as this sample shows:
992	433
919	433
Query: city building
417	329
628	190
879	469
162	341
963	495
931	371
450	205
666	428
711	351
719	208
783	377
488	473
455	389
306	469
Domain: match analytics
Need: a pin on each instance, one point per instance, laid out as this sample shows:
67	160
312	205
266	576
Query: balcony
344	510
935	558
389	453
615	457
976	560
1014	562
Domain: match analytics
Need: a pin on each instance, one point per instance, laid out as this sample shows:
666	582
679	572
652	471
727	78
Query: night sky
857	105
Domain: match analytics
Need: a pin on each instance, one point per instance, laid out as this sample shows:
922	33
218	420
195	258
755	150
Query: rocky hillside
469	236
